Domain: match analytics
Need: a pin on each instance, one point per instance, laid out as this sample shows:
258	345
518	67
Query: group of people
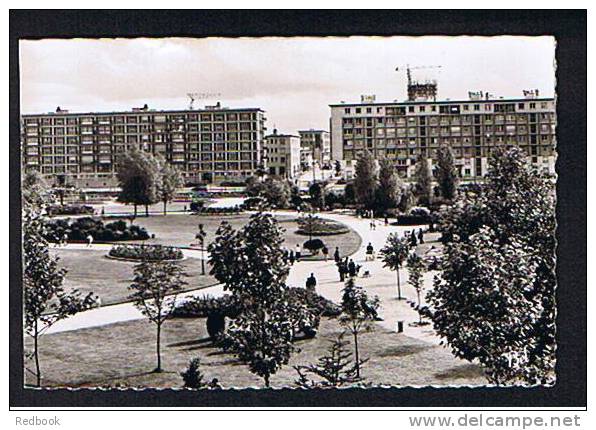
347	267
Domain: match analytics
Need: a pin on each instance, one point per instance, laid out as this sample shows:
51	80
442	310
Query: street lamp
201	237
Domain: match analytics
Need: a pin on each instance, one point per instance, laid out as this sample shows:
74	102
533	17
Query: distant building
282	153
403	131
315	147
212	145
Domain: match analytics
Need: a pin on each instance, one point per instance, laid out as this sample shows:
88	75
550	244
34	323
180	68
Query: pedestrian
336	255
386	220
64	239
371	225
298	253
103	212
325	251
292	258
352	268
341	270
311	282
413	240
370	252
89	240
374	224
420	236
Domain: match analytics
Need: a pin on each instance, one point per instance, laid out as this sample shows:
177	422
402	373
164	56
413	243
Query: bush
79	229
201	307
320	227
322	306
192	376
70	210
253	203
314	245
217	211
417	216
146	252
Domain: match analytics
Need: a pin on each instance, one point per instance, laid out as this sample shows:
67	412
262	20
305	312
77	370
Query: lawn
123	355
180	230
91	271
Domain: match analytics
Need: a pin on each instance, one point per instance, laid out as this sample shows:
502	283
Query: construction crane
200	96
409	70
417	90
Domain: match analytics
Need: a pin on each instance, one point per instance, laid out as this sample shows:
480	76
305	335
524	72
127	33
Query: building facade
282	155
210	145
315	146
471	128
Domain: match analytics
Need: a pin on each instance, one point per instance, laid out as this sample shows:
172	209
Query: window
347	110
358	110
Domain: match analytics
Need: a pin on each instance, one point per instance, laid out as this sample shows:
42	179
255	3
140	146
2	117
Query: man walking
336	255
311	283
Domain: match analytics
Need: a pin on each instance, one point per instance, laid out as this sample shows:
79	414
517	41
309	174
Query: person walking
386	221
89	240
292	258
311	282
341	270
64	239
352	268
370	252
298	253
420	236
325	251
336	255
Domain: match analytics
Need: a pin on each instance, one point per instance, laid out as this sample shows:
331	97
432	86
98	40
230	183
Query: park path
382	281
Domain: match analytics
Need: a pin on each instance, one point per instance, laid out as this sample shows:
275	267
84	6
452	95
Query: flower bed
320	227
145	252
79	229
54	210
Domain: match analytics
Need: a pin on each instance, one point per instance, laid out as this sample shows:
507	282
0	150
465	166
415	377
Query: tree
336	368
422	182
310	224
415	266
394	253
358	312
45	301
494	300
317	194
365	180
446	173
251	264
389	191
277	193
153	292
170	181
192	376
35	190
138	177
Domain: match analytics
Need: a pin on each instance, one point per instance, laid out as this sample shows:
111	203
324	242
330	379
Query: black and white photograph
302	212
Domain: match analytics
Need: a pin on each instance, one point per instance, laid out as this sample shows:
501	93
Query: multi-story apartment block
315	147
282	155
214	144
472	128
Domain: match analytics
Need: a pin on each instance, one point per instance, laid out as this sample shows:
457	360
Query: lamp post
201	237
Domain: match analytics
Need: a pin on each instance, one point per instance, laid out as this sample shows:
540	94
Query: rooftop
447	102
141	111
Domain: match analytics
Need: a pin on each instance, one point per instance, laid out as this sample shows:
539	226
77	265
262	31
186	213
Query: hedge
54	210
80	228
146	252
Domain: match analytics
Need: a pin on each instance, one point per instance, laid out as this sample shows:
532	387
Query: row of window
132	119
448	120
544	139
93	139
448	108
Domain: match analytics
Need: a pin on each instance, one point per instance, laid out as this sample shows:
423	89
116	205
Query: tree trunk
146	210
158	368
356	355
135	205
165	202
419	314
398	285
36	353
266	377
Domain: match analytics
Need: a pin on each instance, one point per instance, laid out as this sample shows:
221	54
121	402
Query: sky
293	79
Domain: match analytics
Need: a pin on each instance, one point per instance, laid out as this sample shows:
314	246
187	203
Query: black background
569	28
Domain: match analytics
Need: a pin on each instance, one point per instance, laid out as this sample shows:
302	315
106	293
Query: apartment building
282	153
315	147
473	128
212	145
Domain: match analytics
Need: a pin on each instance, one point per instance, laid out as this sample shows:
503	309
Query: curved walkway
381	283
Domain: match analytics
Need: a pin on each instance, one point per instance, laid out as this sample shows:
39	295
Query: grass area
91	271
180	230
123	354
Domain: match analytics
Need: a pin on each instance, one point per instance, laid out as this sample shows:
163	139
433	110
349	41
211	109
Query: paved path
382	283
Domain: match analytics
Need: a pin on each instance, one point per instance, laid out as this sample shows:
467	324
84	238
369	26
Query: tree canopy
365	180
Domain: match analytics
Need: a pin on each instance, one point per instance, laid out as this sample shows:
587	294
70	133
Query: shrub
201	307
314	245
217	211
70	210
192	376
146	252
252	203
316	226
417	215
79	229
